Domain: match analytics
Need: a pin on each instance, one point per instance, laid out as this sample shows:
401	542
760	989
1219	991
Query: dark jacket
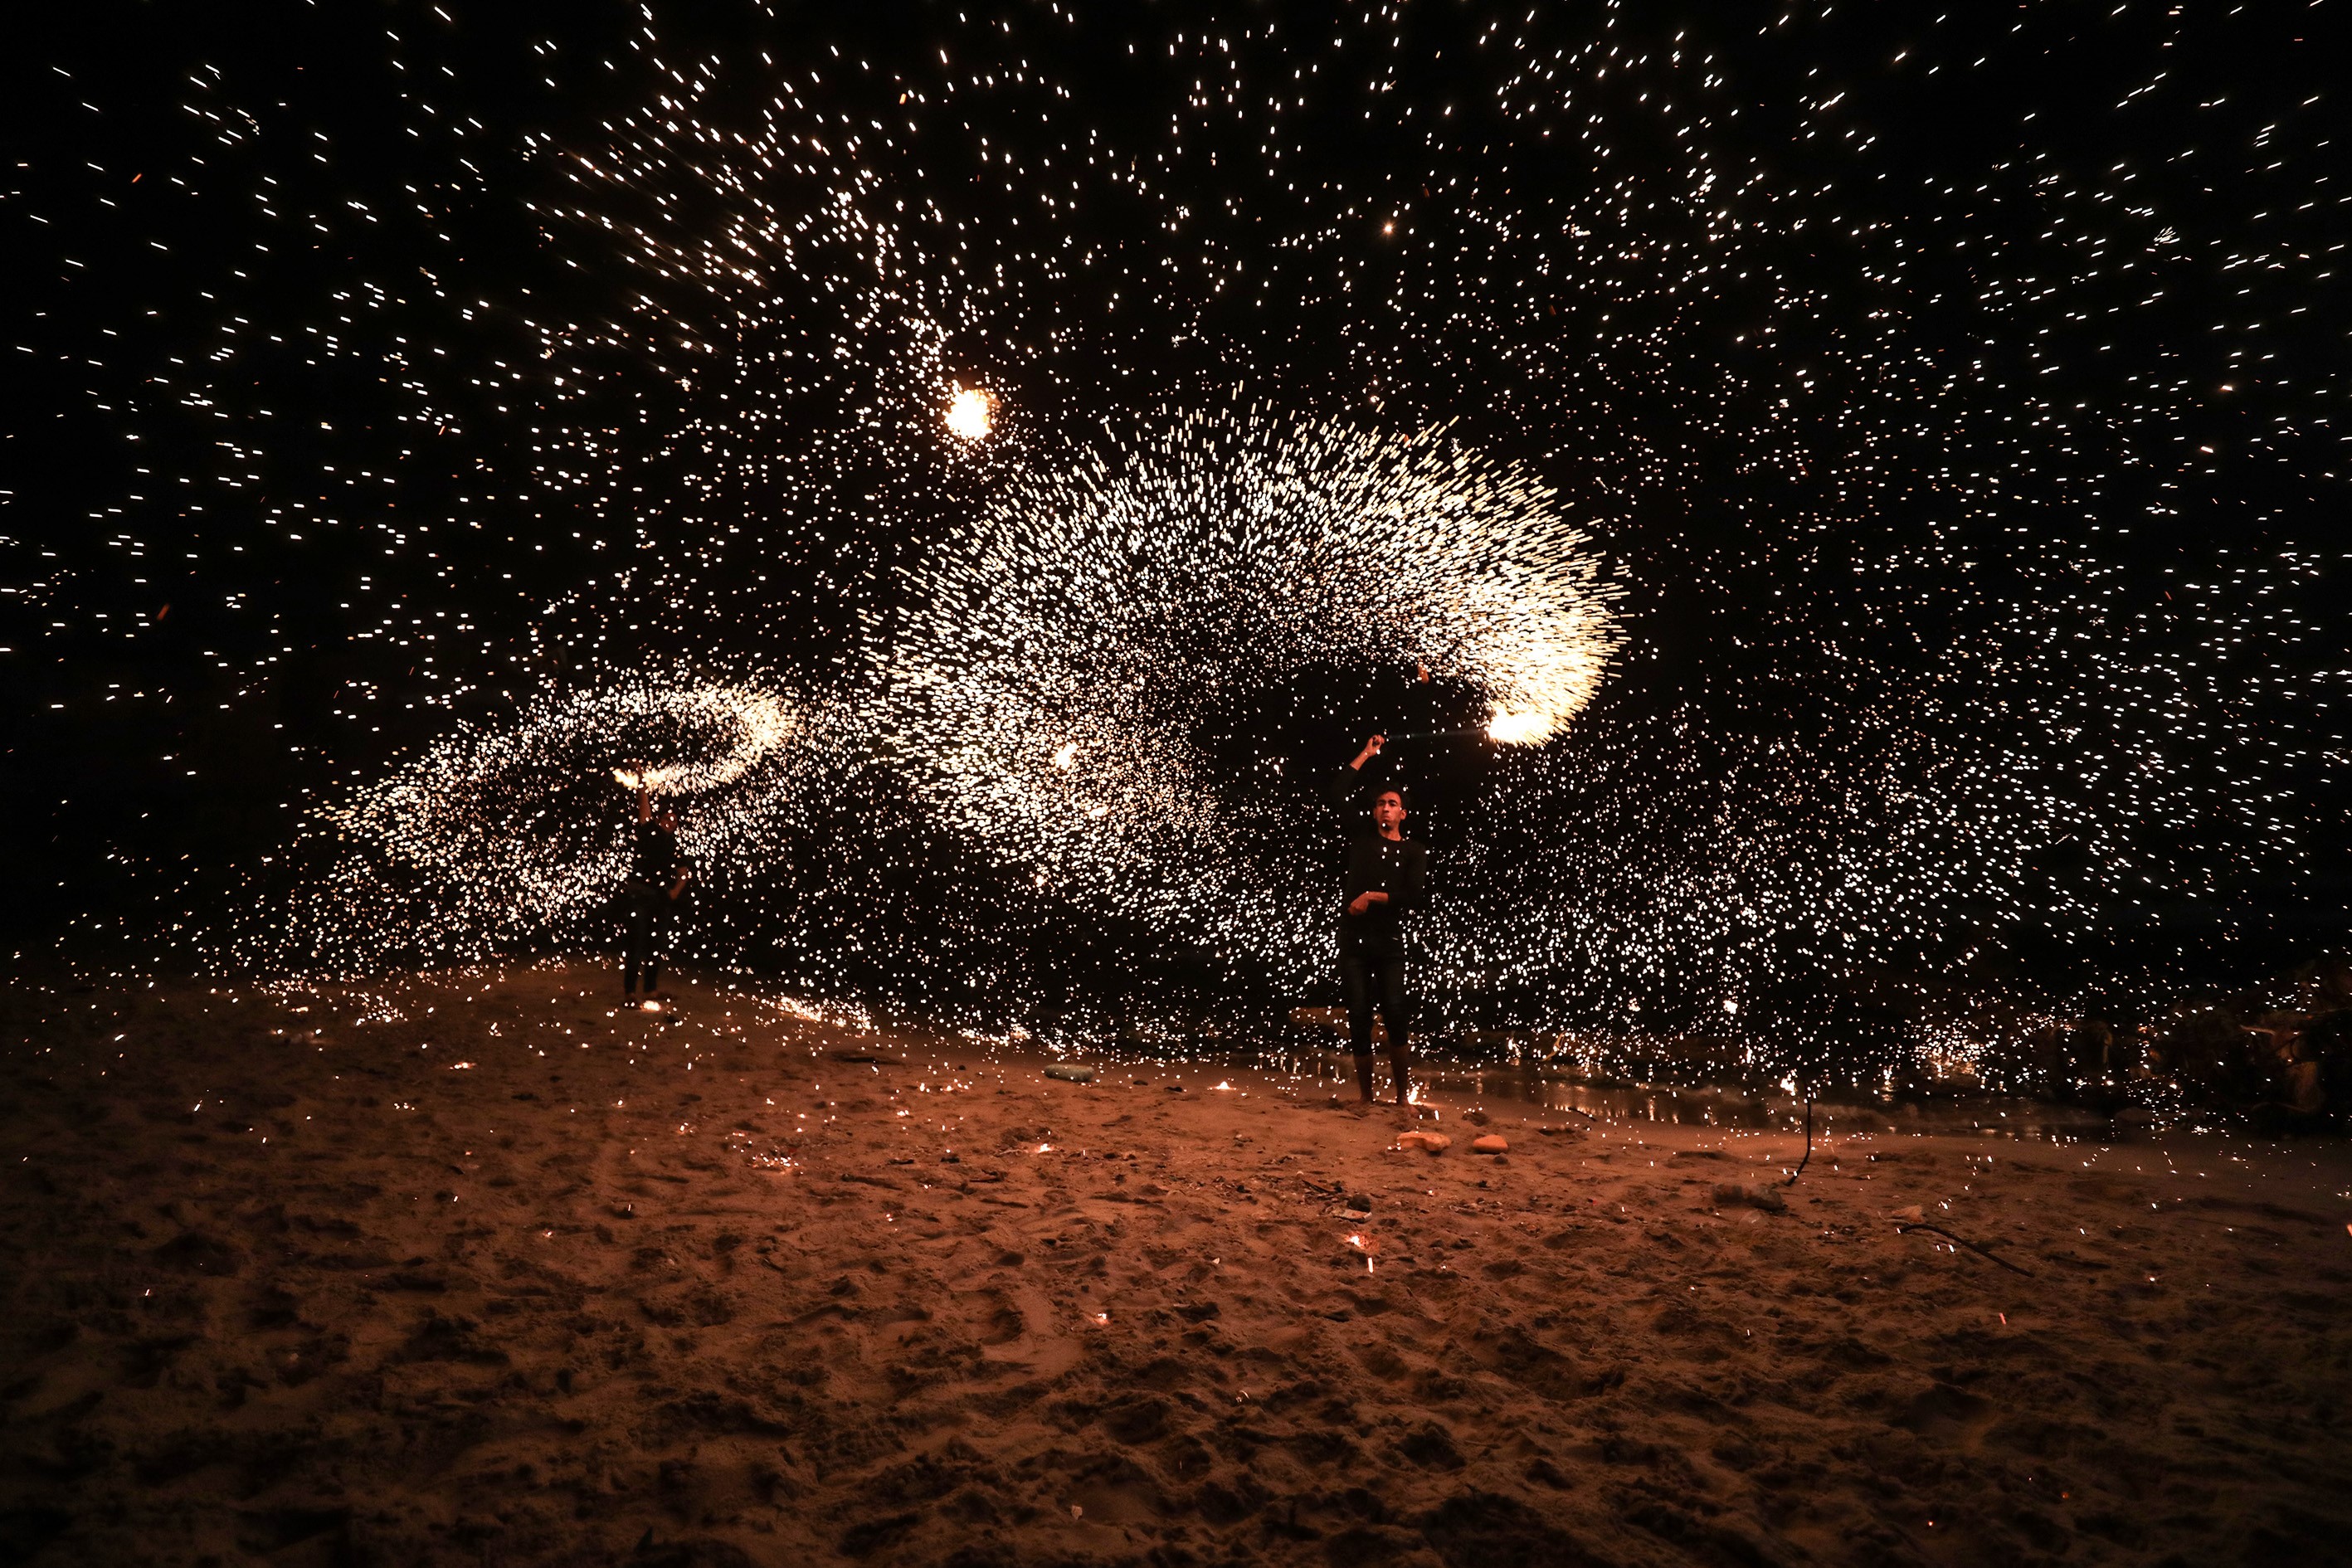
1397	867
653	862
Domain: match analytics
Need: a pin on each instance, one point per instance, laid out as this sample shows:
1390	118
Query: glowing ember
970	414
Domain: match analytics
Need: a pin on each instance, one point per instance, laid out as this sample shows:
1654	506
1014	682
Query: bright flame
1067	755
969	413
1518	729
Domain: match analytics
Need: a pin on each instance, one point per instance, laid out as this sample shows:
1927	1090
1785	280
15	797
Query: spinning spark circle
752	725
501	829
1074	632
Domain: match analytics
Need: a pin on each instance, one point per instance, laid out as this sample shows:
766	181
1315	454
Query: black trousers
647	911
1372	976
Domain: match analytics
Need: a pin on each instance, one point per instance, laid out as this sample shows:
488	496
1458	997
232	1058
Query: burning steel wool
500	829
1072	638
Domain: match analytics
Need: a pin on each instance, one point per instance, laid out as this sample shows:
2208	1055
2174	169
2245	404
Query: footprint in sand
1021	1332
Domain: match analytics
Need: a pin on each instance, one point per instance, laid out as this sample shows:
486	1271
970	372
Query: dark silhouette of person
658	878
1385	879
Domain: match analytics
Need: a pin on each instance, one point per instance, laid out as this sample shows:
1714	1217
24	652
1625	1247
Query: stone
1766	1198
1432	1142
1070	1072
1362	1203
1910	1212
1489	1143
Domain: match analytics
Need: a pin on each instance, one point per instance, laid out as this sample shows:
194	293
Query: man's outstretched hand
1371	749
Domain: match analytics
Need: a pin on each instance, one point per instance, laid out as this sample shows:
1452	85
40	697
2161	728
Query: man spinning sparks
657	878
1386	879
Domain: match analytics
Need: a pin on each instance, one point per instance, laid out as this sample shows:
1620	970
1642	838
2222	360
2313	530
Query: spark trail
510	830
1071	640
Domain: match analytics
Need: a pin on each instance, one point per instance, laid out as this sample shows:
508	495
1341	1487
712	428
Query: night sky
1930	431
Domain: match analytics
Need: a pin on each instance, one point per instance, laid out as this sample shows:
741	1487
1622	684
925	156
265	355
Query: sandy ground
473	1270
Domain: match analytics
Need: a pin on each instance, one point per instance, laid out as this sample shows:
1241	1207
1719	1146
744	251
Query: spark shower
1003	463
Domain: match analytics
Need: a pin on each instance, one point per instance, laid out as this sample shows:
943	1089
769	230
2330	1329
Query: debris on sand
1765	1198
1962	1241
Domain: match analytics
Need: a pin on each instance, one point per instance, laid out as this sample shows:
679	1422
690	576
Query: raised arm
1345	782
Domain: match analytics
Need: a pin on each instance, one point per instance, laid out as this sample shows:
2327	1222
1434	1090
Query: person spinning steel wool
656	880
1386	879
